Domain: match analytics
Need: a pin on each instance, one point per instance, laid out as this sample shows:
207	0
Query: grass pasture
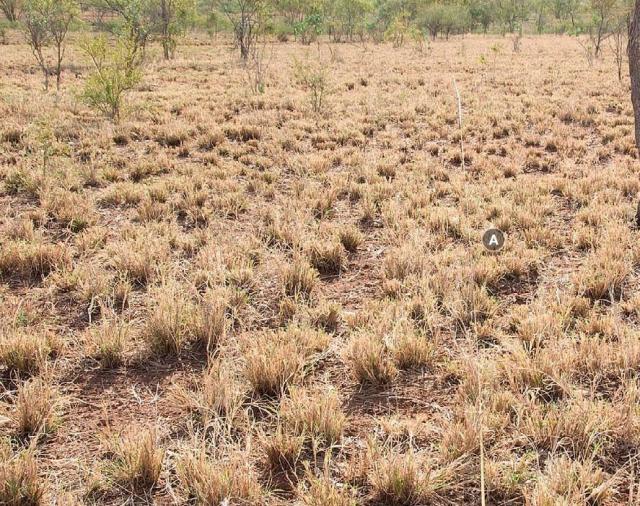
231	295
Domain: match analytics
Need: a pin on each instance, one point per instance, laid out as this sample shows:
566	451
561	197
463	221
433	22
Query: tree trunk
244	36
165	16
633	49
59	66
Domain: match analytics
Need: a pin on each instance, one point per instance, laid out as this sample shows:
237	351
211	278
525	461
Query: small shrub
116	70
315	79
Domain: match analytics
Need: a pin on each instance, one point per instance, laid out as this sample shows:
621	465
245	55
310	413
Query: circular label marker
493	239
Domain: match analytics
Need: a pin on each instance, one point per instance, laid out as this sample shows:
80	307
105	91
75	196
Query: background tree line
399	21
355	20
341	20
122	29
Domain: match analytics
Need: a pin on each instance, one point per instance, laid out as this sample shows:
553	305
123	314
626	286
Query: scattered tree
482	13
602	17
246	17
566	11
47	22
257	65
346	19
11	9
399	29
634	66
171	19
443	19
540	10
619	42
62	15
37	34
512	14
137	23
307	30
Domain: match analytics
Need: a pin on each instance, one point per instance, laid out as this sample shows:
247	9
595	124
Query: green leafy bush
307	30
116	70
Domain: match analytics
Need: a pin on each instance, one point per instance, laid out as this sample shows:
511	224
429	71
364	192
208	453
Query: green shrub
307	30
116	70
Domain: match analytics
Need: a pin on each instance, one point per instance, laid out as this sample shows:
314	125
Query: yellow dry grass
231	255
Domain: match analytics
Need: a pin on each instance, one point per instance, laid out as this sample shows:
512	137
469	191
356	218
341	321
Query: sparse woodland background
241	258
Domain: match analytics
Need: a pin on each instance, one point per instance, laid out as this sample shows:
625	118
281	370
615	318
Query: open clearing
273	305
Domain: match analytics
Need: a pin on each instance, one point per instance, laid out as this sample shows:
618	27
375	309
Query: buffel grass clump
217	396
19	480
36	408
25	352
291	285
172	321
137	459
273	362
31	261
108	341
370	360
318	416
211	481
